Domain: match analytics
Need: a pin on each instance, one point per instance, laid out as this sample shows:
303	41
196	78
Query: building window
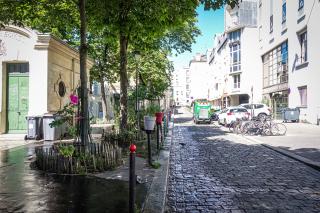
234	36
235	57
236	81
284	54
301	5
271	23
61	89
303	46
303	96
275	66
217	86
284	12
18	68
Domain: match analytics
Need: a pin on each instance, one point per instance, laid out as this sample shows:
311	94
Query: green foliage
122	139
117	24
66	150
216	4
152	109
156	165
66	116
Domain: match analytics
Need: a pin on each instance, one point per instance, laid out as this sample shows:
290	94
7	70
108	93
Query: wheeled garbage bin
290	114
34	124
52	133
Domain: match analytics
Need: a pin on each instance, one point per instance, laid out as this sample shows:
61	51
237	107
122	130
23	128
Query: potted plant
149	122
159	116
149	119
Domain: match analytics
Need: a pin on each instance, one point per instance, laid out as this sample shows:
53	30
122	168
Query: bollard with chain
132	178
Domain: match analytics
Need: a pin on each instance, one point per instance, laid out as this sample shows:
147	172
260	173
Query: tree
155	71
216	4
141	23
63	17
142	29
103	48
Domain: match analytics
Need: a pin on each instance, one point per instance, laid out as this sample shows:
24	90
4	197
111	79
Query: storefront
277	101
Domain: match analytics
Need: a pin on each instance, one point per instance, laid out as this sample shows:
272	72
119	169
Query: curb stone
311	163
156	196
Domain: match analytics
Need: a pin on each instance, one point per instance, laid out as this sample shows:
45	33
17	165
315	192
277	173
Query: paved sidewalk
10	141
301	141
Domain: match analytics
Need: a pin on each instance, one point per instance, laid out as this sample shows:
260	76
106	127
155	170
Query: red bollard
132	178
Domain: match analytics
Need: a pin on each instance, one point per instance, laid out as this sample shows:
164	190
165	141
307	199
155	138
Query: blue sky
210	23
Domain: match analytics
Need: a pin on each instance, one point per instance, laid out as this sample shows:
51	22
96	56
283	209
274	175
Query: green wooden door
18	94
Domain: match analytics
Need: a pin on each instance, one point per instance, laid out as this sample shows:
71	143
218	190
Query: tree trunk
84	121
123	82
104	100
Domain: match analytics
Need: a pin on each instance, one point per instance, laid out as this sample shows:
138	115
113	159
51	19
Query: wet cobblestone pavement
213	171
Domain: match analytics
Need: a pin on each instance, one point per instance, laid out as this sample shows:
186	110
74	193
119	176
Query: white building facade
199	78
179	87
219	61
289	48
235	60
39	72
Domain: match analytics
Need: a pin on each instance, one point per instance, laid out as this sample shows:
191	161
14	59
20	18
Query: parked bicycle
258	126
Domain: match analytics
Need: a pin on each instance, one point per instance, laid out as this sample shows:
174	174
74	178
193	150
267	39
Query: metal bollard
132	178
158	136
149	147
161	131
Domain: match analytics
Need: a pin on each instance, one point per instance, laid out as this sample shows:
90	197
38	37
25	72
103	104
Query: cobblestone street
213	171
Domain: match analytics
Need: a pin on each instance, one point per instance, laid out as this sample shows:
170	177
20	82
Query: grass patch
155	165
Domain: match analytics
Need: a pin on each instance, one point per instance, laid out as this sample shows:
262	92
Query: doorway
17	97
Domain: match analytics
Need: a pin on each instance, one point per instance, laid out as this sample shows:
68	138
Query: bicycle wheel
278	129
247	128
266	130
231	127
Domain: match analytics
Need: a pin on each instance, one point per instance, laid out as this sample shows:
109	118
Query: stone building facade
39	72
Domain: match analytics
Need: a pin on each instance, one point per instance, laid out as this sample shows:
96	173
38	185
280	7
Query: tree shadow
234	175
309	153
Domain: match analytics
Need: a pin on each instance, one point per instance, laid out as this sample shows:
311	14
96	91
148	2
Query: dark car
214	116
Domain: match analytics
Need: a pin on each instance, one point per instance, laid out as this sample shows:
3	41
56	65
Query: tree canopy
154	27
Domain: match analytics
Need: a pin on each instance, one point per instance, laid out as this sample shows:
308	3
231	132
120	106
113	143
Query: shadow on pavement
237	176
309	153
182	120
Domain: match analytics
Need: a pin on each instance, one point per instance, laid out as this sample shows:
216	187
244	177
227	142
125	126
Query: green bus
201	111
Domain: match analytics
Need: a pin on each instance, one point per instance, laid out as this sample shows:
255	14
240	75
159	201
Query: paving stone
217	172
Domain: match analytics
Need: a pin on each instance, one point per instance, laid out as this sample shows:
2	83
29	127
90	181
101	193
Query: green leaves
216	4
66	150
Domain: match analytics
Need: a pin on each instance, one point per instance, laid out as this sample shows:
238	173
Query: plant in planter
69	115
149	118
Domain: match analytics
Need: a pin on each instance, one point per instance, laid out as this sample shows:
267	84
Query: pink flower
74	99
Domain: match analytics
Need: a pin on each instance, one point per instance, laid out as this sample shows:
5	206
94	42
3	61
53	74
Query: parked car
230	114
257	110
214	116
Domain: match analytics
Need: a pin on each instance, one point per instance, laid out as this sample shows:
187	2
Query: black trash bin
34	124
290	114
